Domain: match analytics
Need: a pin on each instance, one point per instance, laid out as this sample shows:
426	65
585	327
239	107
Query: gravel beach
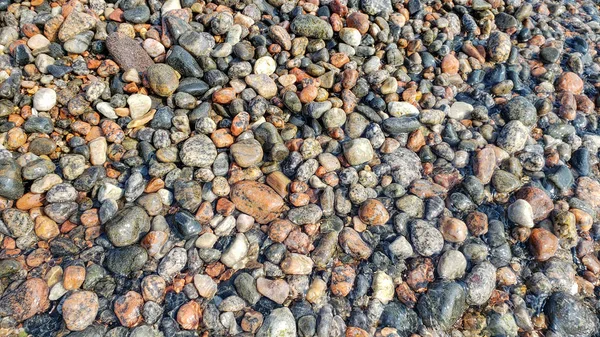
299	168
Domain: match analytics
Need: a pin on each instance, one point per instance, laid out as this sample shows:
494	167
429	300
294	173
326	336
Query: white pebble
265	65
139	105
44	99
521	213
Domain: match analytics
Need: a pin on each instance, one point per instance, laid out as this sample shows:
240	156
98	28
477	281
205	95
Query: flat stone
128	53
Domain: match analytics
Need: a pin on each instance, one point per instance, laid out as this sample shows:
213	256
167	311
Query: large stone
27	300
358	151
76	23
198	151
263	84
442	305
258	200
79	310
279	323
11	184
311	26
128	53
123	261
405	165
162	79
570	317
128	226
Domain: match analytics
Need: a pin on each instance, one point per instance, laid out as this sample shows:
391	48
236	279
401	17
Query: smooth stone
312	27
44	99
198	151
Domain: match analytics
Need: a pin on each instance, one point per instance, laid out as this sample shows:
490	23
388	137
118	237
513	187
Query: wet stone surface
313	168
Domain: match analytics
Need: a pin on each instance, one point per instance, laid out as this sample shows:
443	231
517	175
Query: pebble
162	79
139	105
358	151
79	310
198	151
521	213
257	200
311	26
44	99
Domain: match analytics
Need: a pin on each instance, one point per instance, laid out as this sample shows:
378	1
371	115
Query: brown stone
356	332
257	200
359	21
298	242
224	96
79	310
420	274
30	200
280	229
584	220
128	309
406	295
297	264
51	27
128	53
373	212
189	315
543	244
538	199
279	182
570	82
416	141
154	241
453	229
450	64
252	320
73	277
353	244
426	189
477	223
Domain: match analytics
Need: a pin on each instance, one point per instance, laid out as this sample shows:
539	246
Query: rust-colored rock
570	82
257	200
128	309
29	299
373	212
79	310
73	277
189	315
543	244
